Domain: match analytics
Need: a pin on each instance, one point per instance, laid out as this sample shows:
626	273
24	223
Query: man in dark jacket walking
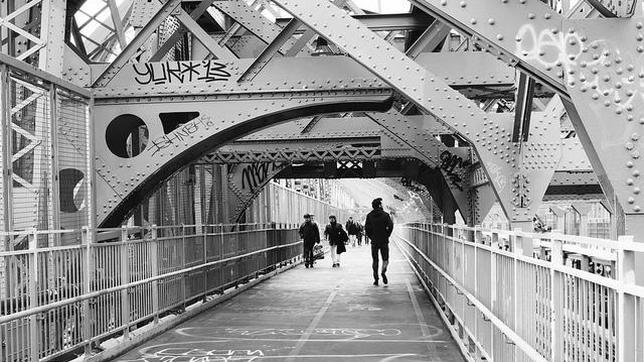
310	233
378	228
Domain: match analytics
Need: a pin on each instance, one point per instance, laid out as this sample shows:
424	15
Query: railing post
154	266
556	301
204	231
183	266
86	239
493	309
34	347
125	279
626	306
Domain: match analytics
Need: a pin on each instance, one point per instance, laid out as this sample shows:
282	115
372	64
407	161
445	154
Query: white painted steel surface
515	296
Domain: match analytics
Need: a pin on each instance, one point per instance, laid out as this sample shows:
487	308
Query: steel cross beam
254	22
192	128
599	59
307	73
511	167
121	60
614	8
527	34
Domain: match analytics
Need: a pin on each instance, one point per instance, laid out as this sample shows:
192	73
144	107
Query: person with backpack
336	236
378	228
310	234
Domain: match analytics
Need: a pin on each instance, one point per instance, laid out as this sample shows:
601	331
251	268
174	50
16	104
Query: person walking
352	230
378	228
360	233
310	233
336	237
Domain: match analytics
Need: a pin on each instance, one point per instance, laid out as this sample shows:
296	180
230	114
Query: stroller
318	252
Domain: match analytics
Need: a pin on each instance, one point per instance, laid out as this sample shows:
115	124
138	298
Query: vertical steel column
54	205
91	171
7	165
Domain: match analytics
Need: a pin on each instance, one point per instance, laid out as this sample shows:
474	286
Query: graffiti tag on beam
452	164
180	72
255	174
181	134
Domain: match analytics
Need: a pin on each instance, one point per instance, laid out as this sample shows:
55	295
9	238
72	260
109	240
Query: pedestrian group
377	228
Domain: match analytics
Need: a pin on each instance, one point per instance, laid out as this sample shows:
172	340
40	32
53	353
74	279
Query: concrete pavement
318	314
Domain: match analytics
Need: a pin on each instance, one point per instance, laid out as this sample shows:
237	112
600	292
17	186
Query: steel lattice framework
512	90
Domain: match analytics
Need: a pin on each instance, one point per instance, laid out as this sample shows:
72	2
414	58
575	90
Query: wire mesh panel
45	143
73	161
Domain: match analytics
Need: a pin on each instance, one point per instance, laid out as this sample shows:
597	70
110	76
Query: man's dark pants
384	253
308	253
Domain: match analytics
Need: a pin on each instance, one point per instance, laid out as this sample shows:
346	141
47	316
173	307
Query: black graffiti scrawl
180	72
255	174
452	164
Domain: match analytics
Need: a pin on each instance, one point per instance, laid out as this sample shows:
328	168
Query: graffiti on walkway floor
171	353
319	332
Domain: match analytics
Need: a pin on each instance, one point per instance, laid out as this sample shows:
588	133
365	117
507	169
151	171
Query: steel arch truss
510	166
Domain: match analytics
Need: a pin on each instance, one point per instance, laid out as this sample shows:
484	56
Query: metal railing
514	296
58	302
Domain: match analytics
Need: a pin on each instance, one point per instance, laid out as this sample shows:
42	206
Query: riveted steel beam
606	80
526	34
306	73
511	167
429	39
121	60
523	108
270	51
384	22
221	52
254	22
180	131
614	8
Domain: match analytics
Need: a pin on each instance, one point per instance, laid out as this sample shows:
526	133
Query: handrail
532	353
64	302
533	301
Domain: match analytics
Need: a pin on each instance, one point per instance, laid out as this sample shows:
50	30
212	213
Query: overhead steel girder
289	74
416	135
600	61
527	34
519	174
608	80
386	22
201	124
254	22
614	8
247	179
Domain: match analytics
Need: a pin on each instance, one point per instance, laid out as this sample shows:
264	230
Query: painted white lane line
419	313
314	322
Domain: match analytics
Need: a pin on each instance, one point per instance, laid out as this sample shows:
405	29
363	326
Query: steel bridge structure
107	104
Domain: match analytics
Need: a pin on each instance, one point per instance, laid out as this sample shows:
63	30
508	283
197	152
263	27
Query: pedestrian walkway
319	314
